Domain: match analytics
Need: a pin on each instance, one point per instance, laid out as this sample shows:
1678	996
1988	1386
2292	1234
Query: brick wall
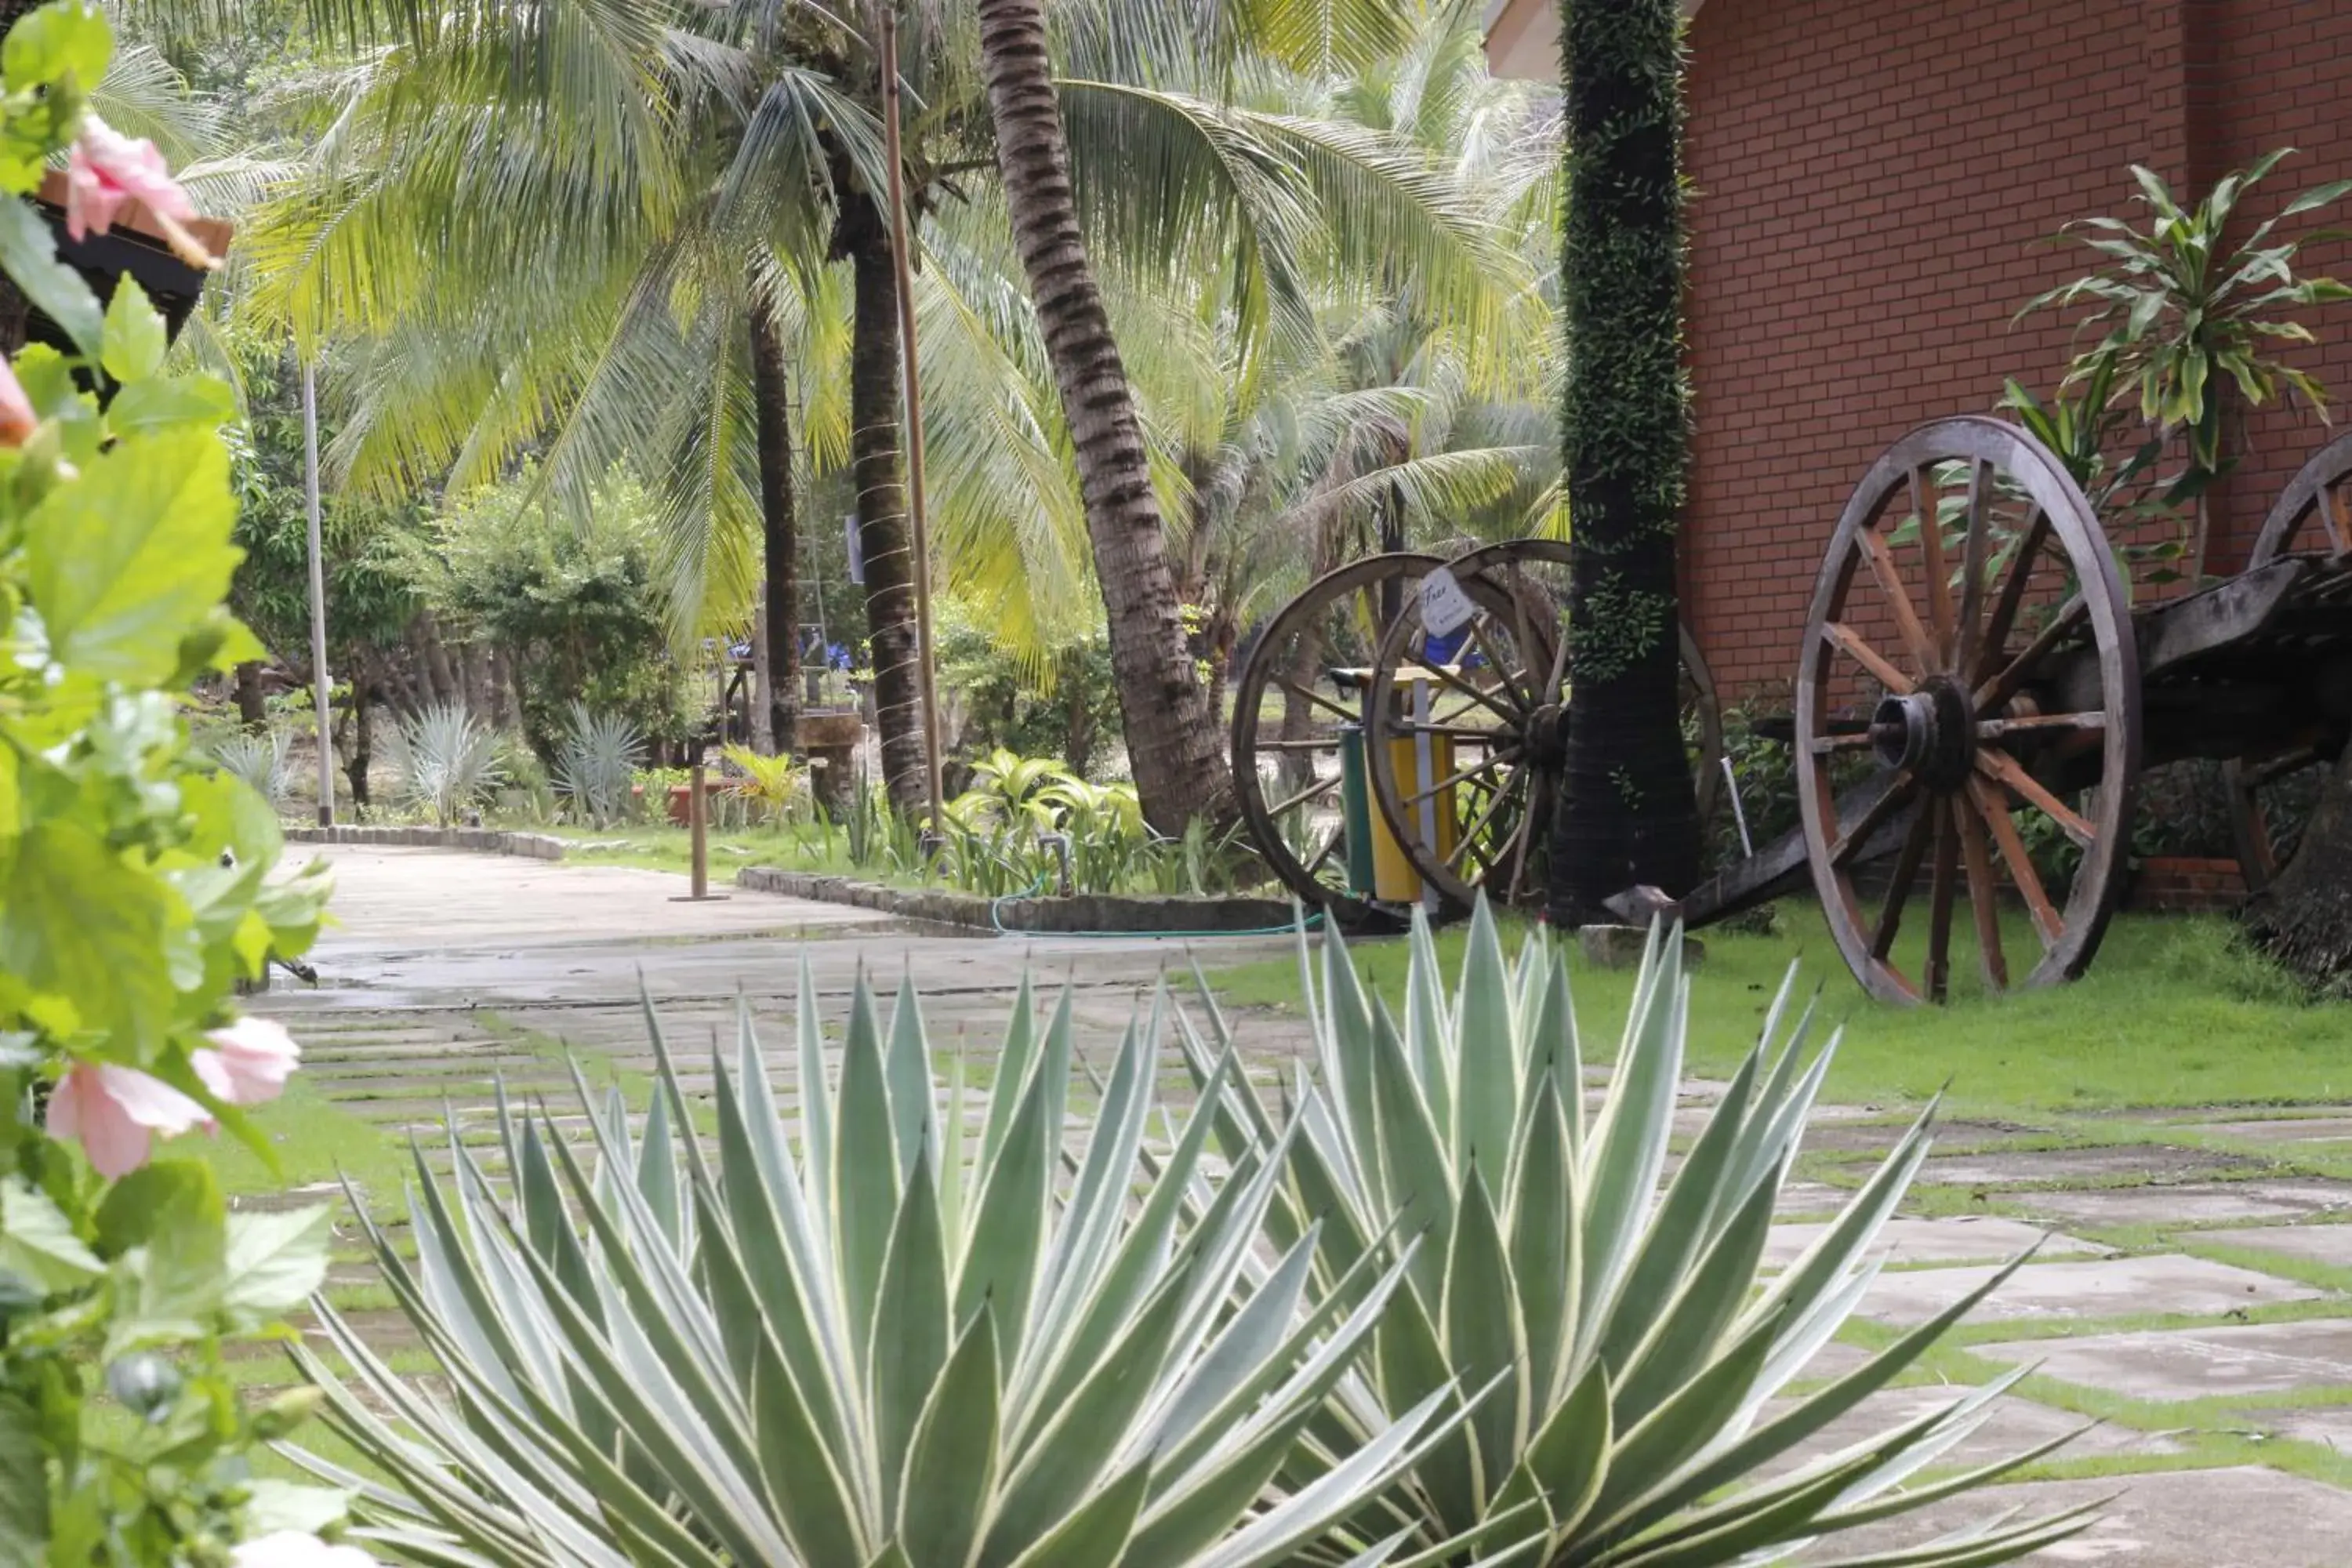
1871	184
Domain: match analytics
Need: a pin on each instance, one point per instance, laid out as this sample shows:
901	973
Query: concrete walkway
2192	1295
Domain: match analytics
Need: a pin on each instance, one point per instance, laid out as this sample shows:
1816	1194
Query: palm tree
1628	813
1171	731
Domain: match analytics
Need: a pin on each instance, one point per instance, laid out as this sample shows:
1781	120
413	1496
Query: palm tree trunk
882	535
1627	813
780	530
1171	732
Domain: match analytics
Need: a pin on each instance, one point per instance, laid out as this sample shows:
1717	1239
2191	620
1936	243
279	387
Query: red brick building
1872	183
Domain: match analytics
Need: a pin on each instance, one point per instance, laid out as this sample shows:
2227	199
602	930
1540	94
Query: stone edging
486	840
1085	912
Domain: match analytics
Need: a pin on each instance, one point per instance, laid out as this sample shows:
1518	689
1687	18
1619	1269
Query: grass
2173	1013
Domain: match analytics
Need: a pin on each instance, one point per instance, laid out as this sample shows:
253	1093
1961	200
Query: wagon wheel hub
1547	737
1931	731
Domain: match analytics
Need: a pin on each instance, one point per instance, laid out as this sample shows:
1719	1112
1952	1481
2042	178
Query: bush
1065	706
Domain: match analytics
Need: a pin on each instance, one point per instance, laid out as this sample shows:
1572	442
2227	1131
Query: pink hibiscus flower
116	1112
17	417
249	1061
106	169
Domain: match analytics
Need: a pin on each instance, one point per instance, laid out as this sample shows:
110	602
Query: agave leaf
1564	1468
815	1094
1687	1328
1483	1338
1097	1533
1098	1201
1247	1342
1347	1050
1544	1231
658	1173
865	1176
1412	1370
1420	1186
1680	1426
910	1322
1684	1223
914	1117
952	1465
1425	1023
1276	1532
1000	1263
1485	1087
1629	1144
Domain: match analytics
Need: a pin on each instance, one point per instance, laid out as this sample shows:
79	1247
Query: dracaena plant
1604	1320
908	1336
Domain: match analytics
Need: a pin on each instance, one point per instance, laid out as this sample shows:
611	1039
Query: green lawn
2172	1013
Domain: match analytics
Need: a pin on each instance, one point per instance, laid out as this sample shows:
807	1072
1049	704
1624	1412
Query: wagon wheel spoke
1899	889
1978	859
1899	793
1322	743
1942	882
1319	786
1310	695
1879	556
1854	645
1471	834
1448	677
1495	661
2331	518
1994	809
2004	769
1531	823
1993	695
1972	565
1323	855
2012	594
1931	547
1858	741
1498	760
2277	766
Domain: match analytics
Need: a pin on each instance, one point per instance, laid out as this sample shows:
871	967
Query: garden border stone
1081	913
482	840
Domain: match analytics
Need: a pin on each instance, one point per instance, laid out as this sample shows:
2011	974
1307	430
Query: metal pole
916	509
317	594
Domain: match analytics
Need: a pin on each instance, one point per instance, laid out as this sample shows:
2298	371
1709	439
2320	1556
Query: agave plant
447	760
596	764
262	760
1607	1322
903	1338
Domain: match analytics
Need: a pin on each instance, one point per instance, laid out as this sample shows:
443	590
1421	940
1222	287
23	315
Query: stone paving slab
2282	1130
1964	1238
2108	1288
2228	1360
2122	1162
2207	1203
2329	1425
2244	1517
2013	1427
2326	1243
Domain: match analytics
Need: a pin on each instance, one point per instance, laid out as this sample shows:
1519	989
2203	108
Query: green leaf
160	403
136	340
865	1166
1569	1457
274	1505
276	1260
81	924
130	559
37	1241
810	1493
23	1484
952	1465
28	254
1543	1242
66	37
1486	1086
172	1286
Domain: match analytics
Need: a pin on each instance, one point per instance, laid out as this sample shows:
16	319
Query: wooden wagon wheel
1288	771
1969	693
1489	708
2312	517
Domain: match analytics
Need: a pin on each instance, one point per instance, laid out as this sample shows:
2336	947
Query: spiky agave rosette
1607	1323
894	1339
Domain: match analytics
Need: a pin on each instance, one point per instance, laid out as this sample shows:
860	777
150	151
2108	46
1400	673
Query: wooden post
698	828
916	505
318	595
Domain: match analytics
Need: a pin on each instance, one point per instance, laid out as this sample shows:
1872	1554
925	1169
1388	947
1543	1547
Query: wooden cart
1976	698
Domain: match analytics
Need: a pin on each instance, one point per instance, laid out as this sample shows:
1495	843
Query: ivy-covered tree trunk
1172	739
1627	811
779	525
863	236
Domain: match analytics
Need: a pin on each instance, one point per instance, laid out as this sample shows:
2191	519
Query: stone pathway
2195	1297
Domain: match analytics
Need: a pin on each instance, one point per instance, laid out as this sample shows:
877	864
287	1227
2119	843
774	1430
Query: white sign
1444	607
